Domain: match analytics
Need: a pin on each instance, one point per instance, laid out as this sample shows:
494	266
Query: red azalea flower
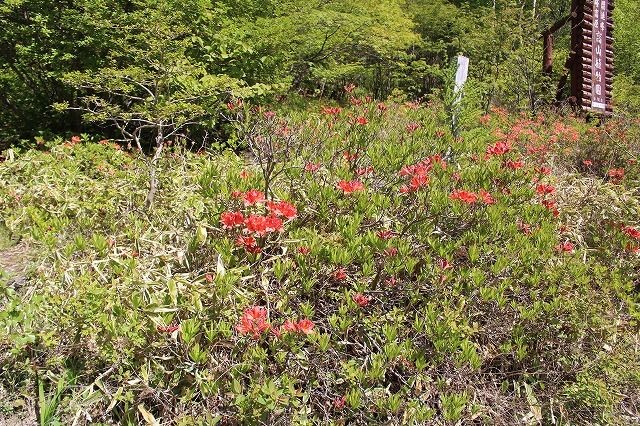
248	242
168	329
283	208
461	195
499	148
486	197
566	246
632	232
391	252
525	228
253	321
310	167
351	186
350	156
305	326
360	299
385	235
542	170
412	127
633	249
545	189
231	219
616	175
255	223
339	274
330	110
289	326
391	282
363	171
419	181
252	197
548	204
514	165
273	224
444	264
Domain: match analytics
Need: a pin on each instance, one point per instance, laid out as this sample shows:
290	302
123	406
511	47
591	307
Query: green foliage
383	283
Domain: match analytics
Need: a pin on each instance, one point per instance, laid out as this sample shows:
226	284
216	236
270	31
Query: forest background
62	61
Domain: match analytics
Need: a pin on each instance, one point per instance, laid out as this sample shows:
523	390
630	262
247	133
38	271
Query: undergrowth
353	266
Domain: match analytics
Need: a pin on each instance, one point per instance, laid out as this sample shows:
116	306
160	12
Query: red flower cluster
419	174
330	110
262	225
513	165
311	167
304	250
168	328
231	219
471	197
304	326
351	186
412	127
364	170
254	320
499	148
253	197
465	196
349	157
339	274
525	228
444	264
542	170
283	209
385	235
250	244
391	252
545	189
257	225
566	246
632	232
360	299
616	175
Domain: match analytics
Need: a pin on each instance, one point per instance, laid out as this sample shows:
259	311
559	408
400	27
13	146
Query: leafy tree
151	90
39	42
627	54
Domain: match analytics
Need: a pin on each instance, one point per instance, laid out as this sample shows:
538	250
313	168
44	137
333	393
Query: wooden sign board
592	51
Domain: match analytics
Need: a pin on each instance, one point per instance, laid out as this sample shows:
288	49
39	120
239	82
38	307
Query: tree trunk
153	181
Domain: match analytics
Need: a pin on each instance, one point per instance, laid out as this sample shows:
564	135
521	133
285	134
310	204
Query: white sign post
461	79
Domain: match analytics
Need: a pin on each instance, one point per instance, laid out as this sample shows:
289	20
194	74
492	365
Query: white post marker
461	79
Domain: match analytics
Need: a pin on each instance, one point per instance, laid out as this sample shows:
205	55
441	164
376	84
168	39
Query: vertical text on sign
599	56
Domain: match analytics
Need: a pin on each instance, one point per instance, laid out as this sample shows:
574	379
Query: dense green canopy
55	53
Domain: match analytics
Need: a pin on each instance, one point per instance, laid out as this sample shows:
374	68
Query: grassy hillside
351	266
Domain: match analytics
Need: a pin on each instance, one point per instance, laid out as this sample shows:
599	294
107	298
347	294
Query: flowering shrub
348	270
